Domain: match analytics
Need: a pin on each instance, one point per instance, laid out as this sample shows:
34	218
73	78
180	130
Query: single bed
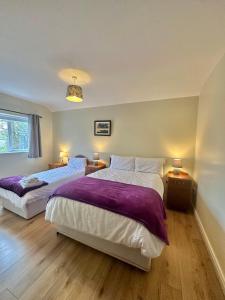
109	232
35	201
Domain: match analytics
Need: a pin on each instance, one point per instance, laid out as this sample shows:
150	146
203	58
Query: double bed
118	235
35	201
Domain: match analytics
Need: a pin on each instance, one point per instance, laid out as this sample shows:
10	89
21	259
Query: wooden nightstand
56	165
91	168
179	191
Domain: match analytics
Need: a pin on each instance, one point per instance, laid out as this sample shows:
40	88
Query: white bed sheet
105	224
54	177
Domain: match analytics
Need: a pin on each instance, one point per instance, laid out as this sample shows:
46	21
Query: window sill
19	152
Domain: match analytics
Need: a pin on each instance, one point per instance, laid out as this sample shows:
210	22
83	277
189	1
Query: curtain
34	137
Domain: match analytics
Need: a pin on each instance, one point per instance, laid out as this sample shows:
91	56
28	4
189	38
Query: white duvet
105	224
54	177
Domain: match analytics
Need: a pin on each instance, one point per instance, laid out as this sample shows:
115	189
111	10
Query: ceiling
130	50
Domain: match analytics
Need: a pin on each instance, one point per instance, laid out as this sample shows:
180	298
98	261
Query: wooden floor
35	263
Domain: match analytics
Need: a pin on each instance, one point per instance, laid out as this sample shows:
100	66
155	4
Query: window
13	133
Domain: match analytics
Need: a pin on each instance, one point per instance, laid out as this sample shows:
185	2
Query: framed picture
102	128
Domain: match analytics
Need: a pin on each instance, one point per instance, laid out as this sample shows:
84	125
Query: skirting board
212	255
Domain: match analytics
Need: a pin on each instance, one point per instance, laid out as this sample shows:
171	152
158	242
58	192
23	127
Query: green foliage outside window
13	134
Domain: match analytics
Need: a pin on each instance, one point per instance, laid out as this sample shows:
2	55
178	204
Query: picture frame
102	127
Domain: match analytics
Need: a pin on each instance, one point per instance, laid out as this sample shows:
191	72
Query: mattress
54	177
105	224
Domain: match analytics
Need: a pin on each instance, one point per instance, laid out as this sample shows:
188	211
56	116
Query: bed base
29	211
131	256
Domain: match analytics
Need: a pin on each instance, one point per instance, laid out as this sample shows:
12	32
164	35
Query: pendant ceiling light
74	92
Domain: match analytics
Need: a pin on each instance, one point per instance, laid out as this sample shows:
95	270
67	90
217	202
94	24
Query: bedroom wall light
74	92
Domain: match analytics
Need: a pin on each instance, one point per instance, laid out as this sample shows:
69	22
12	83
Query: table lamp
177	164
62	155
96	158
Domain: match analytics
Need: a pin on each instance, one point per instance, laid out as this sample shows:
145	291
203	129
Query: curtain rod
17	112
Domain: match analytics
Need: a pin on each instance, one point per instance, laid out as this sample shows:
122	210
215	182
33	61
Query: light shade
177	163
63	154
74	93
96	156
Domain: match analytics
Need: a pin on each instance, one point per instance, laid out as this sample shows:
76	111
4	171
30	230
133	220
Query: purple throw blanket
136	202
12	184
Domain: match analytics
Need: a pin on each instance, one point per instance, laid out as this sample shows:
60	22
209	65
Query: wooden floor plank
35	263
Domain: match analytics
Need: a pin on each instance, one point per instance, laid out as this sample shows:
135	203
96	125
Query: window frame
9	118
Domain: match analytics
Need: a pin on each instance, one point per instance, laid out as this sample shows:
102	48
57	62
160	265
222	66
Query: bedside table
91	168
56	165
179	191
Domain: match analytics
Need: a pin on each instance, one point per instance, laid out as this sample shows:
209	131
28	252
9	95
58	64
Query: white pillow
77	163
149	165
122	163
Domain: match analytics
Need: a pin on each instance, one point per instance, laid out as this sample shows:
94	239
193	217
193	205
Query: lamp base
176	171
95	162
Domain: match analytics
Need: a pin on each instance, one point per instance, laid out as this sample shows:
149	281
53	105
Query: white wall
15	164
165	128
210	161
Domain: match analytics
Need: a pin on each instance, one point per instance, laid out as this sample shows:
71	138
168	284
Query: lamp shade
74	93
96	156
177	163
63	154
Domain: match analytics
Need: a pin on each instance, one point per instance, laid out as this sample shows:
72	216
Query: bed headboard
83	156
80	156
